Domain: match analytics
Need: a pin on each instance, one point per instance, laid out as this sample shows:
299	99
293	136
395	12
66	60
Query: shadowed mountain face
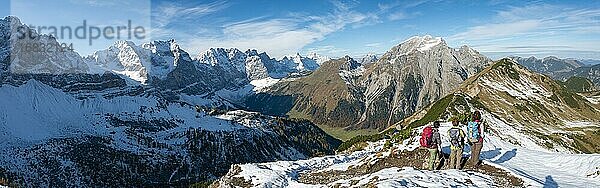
590	72
142	115
564	70
346	94
551	66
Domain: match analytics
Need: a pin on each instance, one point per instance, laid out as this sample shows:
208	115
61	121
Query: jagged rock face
259	65
369	58
302	64
323	96
121	122
413	75
551	66
30	54
344	93
195	78
140	63
256	66
132	140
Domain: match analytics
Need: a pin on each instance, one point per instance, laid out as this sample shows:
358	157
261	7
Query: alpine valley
154	115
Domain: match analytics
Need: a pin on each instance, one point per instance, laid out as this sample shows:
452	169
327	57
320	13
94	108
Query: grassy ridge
578	84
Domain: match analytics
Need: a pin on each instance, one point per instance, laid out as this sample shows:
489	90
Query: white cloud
377	44
169	12
282	36
327	49
497	30
552	27
399	15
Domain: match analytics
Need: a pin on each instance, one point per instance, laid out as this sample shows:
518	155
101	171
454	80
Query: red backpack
426	137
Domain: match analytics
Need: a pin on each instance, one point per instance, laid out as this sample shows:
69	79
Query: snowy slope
535	164
45	129
536	168
286	173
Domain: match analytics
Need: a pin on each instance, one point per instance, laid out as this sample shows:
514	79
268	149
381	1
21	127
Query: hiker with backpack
430	139
475	130
457	137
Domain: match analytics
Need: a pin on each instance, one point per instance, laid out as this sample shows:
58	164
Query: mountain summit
373	96
418	43
523	108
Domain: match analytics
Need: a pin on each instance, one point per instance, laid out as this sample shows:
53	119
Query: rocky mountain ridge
536	108
131	115
346	94
551	65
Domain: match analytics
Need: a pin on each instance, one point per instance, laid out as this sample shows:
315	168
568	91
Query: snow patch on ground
533	163
347	76
410	177
521	89
429	42
593	100
285	173
260	85
574	124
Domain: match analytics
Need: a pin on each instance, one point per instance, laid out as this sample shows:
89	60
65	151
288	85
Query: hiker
457	141
475	132
430	139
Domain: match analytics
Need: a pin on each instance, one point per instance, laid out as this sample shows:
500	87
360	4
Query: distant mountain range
589	72
590	61
551	66
154	115
563	69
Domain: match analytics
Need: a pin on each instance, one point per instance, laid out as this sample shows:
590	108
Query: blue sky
335	28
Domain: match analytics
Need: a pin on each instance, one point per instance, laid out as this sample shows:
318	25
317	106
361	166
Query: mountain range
348	95
154	115
535	132
145	114
563	69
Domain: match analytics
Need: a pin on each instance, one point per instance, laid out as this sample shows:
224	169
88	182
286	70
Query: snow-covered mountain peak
550	58
424	43
140	63
10	21
418	44
301	63
225	58
369	58
46	61
318	58
253	52
162	47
